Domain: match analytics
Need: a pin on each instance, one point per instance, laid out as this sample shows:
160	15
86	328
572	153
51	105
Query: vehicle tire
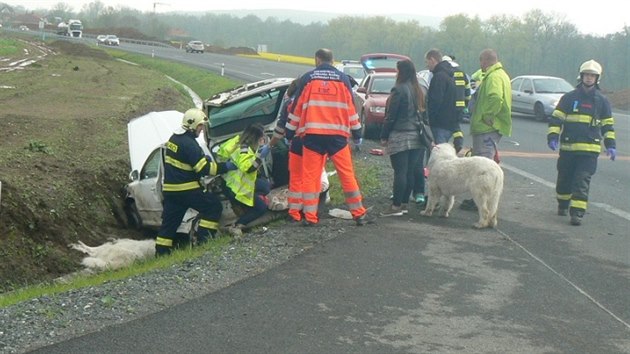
134	221
539	112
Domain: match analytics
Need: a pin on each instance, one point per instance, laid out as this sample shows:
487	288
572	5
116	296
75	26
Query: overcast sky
593	17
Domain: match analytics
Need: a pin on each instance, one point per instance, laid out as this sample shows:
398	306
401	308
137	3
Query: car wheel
539	112
134	221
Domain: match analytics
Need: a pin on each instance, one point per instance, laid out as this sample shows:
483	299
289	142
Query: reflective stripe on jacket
580	120
324	105
185	163
241	181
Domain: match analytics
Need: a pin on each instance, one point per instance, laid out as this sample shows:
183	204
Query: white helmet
591	67
192	118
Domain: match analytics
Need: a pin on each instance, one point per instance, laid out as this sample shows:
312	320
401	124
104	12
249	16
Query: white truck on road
74	28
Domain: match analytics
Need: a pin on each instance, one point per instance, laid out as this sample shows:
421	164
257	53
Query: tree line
535	43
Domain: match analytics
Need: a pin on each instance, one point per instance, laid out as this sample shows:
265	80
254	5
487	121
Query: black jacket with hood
441	98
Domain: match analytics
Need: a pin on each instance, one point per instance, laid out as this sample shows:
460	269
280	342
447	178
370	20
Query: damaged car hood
151	130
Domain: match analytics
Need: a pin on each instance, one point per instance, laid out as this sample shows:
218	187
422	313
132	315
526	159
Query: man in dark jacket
580	122
184	165
441	98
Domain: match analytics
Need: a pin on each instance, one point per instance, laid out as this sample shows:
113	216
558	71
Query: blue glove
553	144
230	166
357	142
264	151
612	152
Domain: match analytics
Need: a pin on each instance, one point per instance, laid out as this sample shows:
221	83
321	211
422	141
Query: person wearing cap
581	119
462	89
184	165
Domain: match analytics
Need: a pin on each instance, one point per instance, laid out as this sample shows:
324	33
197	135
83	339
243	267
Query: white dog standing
450	175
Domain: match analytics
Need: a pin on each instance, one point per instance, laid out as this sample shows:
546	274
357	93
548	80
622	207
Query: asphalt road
408	285
417	284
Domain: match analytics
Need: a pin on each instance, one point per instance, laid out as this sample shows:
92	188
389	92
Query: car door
144	189
517	94
360	95
527	98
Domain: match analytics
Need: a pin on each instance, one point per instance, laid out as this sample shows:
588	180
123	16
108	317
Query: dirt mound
79	50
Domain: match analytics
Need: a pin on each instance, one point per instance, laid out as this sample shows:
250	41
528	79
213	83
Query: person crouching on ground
184	165
244	187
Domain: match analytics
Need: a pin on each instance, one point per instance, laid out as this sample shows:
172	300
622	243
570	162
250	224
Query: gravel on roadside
50	319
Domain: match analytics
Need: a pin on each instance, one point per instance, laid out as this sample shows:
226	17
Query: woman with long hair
400	134
244	188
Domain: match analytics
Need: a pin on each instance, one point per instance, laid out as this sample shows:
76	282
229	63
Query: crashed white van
229	112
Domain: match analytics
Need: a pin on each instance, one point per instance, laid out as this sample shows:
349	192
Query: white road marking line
609	208
580	290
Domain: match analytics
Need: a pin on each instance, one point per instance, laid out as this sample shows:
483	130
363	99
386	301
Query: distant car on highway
352	68
195	47
372	93
538	95
24	28
107	39
111	40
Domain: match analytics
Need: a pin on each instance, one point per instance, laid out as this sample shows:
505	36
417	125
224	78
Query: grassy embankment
84	102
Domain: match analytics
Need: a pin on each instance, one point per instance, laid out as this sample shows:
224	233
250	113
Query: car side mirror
361	90
529	91
134	175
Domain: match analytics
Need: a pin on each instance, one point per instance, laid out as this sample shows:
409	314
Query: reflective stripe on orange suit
312	164
324	115
324	106
295	185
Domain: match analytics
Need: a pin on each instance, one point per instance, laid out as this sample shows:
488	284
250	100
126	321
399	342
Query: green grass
215	246
202	82
366	176
9	46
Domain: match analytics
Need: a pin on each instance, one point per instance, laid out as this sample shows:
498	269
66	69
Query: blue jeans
441	135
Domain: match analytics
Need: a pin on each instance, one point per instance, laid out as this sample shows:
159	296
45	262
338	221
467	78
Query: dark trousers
259	208
418	185
404	164
574	179
175	205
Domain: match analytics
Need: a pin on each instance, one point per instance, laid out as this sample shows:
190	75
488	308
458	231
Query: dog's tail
493	200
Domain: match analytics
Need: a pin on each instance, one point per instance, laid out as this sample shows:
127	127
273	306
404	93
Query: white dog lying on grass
450	175
115	254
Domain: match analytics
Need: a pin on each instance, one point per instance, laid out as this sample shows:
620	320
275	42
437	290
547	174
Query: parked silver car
229	112
537	95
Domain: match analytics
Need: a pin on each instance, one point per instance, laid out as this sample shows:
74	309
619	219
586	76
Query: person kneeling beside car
243	186
184	164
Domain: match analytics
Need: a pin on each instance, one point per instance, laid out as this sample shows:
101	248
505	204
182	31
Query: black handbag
426	137
424	131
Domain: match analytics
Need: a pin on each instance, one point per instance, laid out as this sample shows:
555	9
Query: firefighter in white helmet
580	122
184	165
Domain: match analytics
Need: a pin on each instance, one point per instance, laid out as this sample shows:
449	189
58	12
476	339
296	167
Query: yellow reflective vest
241	181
